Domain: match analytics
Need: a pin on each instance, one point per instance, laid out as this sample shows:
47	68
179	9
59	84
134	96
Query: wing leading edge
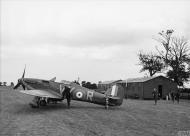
41	93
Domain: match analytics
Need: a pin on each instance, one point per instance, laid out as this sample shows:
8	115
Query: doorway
160	90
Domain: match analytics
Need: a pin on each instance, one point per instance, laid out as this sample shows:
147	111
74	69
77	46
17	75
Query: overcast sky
95	40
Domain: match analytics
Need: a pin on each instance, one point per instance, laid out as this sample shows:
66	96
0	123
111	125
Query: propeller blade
18	84
23	87
20	80
24	72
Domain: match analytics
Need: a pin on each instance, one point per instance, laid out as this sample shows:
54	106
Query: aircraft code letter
89	95
62	88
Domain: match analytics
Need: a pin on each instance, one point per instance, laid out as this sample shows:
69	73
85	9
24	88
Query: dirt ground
133	118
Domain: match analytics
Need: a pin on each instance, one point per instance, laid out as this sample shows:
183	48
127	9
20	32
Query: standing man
155	95
177	96
173	96
170	95
66	93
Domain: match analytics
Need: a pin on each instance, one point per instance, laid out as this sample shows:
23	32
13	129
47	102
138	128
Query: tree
165	41
176	55
89	85
76	82
5	83
179	75
150	62
94	86
83	83
12	84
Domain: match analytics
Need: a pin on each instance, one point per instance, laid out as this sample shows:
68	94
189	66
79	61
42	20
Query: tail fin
115	94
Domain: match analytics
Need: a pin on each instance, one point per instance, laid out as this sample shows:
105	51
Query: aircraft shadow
26	109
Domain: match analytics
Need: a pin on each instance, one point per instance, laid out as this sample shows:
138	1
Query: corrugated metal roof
141	79
122	81
110	82
132	80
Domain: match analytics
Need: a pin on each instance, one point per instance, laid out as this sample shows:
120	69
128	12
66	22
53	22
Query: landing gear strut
37	102
107	103
42	103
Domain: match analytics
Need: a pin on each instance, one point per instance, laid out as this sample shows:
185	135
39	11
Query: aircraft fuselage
50	90
77	92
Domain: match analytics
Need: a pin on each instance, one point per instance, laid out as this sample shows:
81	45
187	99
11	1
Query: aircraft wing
41	93
53	79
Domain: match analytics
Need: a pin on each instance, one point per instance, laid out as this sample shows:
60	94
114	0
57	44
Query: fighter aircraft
49	91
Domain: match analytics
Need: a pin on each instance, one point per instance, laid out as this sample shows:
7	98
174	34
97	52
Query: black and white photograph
94	68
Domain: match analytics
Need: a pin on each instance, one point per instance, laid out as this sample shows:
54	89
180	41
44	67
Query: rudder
115	94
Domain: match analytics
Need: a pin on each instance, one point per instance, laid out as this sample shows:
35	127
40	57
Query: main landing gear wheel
42	103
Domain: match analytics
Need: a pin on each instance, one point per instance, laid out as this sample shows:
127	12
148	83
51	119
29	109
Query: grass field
133	118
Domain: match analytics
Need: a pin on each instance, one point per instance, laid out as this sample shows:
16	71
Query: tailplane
115	95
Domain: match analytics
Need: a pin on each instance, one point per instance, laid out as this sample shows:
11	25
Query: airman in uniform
155	95
66	93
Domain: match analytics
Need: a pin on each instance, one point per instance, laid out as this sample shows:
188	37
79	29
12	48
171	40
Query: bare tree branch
176	55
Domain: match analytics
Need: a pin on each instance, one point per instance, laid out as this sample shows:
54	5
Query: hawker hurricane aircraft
49	91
